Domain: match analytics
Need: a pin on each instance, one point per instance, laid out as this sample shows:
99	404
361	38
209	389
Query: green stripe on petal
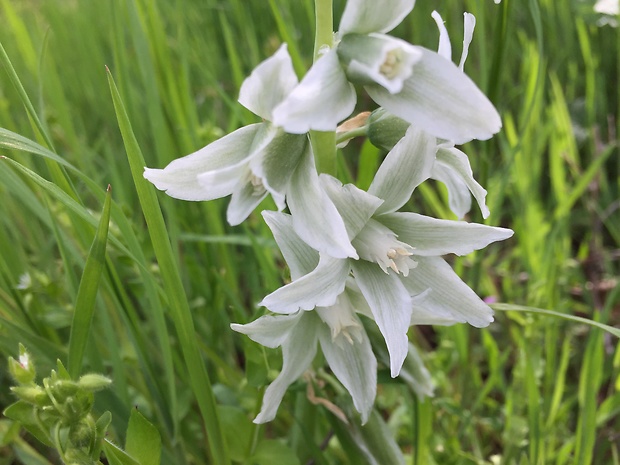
405	167
432	237
391	307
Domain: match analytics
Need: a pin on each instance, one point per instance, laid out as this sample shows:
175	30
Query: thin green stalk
324	143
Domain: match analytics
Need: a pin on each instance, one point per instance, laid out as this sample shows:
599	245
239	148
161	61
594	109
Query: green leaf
87	292
23	413
270	451
143	440
237	431
116	455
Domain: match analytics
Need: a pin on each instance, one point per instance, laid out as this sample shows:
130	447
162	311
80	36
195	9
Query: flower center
377	243
392	65
257	185
341	320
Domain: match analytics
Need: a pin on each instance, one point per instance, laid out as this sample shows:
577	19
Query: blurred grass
530	389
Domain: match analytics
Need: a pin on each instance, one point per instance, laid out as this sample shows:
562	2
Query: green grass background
530	389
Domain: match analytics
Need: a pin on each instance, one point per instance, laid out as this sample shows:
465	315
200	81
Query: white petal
365	16
459	197
323	98
431	315
357	299
448	293
405	167
315	217
319	288
445	48
245	198
268	85
300	257
391	307
468	34
440	99
453	160
297	351
432	237
354	205
270	331
355	365
180	178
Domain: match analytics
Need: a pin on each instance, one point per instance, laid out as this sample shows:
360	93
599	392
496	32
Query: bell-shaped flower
412	82
261	159
336	328
400	272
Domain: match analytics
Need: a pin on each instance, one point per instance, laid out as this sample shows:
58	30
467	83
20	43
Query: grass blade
87	292
180	311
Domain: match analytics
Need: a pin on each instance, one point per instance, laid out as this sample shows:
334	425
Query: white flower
607	7
400	272
411	82
336	328
261	159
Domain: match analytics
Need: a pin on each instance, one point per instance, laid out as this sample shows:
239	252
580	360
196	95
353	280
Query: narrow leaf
87	292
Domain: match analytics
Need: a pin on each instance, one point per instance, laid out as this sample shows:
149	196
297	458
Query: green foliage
532	388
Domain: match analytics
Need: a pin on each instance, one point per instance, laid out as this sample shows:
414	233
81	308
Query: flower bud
32	394
94	382
22	370
385	129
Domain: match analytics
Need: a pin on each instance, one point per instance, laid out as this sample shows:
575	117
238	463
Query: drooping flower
336	328
400	272
261	159
414	83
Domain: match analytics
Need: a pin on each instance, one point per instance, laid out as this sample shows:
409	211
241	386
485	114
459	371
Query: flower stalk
324	143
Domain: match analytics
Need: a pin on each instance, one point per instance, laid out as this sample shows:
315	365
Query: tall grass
530	389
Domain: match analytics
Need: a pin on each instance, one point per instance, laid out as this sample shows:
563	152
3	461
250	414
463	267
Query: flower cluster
353	252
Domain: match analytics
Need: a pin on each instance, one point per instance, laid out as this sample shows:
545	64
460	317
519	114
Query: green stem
324	143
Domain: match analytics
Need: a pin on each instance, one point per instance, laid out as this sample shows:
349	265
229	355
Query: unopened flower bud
385	129
94	382
22	370
32	394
